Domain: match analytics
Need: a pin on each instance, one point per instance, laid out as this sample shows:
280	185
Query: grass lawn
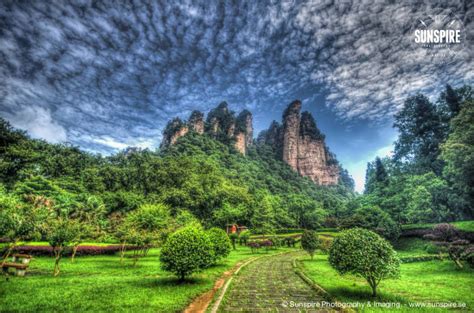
432	281
412	246
463	225
102	284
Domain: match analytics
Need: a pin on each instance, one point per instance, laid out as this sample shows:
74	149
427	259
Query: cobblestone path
270	284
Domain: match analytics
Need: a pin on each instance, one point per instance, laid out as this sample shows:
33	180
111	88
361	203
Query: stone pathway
270	284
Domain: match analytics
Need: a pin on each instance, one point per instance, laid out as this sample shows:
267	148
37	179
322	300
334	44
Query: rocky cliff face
220	124
196	122
297	141
291	129
301	145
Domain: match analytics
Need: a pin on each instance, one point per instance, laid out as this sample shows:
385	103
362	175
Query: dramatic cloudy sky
106	75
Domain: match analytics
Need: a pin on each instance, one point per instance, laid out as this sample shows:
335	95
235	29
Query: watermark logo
442	36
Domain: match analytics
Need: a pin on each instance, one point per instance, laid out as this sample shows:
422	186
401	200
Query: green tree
310	242
420	134
364	253
186	251
19	221
147	226
221	244
60	234
458	154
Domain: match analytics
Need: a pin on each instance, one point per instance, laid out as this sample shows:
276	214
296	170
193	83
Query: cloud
124	70
39	123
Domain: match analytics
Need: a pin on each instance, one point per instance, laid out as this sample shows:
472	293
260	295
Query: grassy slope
412	246
463	225
433	281
100	283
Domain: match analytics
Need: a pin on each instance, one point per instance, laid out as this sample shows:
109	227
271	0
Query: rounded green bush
310	242
186	251
220	243
364	253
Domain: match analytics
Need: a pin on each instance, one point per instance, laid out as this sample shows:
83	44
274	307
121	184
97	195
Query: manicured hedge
420	232
301	230
420	258
82	250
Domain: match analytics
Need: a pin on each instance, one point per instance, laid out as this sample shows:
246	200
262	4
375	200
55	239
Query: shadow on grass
347	294
168	281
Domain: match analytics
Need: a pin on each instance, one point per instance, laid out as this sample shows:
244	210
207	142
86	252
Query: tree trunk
7	254
122	252
373	286
58	255
74	250
458	263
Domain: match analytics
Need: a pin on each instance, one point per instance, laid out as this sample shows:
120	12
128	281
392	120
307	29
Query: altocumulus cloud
107	74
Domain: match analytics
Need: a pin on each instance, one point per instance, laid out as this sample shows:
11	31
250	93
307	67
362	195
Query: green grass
411	246
101	283
433	281
462	225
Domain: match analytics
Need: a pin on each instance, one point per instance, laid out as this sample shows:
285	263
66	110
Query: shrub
268	244
188	250
276	242
375	219
447	237
420	258
289	241
325	244
244	237
310	242
254	246
233	238
220	243
364	253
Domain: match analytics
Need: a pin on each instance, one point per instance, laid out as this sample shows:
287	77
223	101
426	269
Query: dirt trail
200	304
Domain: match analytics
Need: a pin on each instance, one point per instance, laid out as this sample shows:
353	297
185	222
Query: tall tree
421	132
458	153
381	176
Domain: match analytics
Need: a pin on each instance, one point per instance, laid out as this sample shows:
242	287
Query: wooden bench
19	264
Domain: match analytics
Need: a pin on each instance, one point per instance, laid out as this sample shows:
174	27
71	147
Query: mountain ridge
297	141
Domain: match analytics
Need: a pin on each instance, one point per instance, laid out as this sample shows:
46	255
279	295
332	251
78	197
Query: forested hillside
428	179
430	176
198	174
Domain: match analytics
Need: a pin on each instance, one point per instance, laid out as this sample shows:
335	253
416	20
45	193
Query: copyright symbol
284	304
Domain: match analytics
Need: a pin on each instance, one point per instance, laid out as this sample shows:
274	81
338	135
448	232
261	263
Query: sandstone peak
301	145
221	123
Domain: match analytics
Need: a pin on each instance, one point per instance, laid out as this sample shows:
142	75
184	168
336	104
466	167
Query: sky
109	74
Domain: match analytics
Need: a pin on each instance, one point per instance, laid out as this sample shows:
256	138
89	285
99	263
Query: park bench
19	264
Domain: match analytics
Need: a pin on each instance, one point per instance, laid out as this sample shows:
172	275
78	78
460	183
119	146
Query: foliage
220	242
244	237
233	238
458	154
430	281
185	218
447	236
420	134
364	253
146	226
375	219
310	242
60	233
187	251
325	244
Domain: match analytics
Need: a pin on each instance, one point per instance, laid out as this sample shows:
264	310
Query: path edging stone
299	271
216	305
